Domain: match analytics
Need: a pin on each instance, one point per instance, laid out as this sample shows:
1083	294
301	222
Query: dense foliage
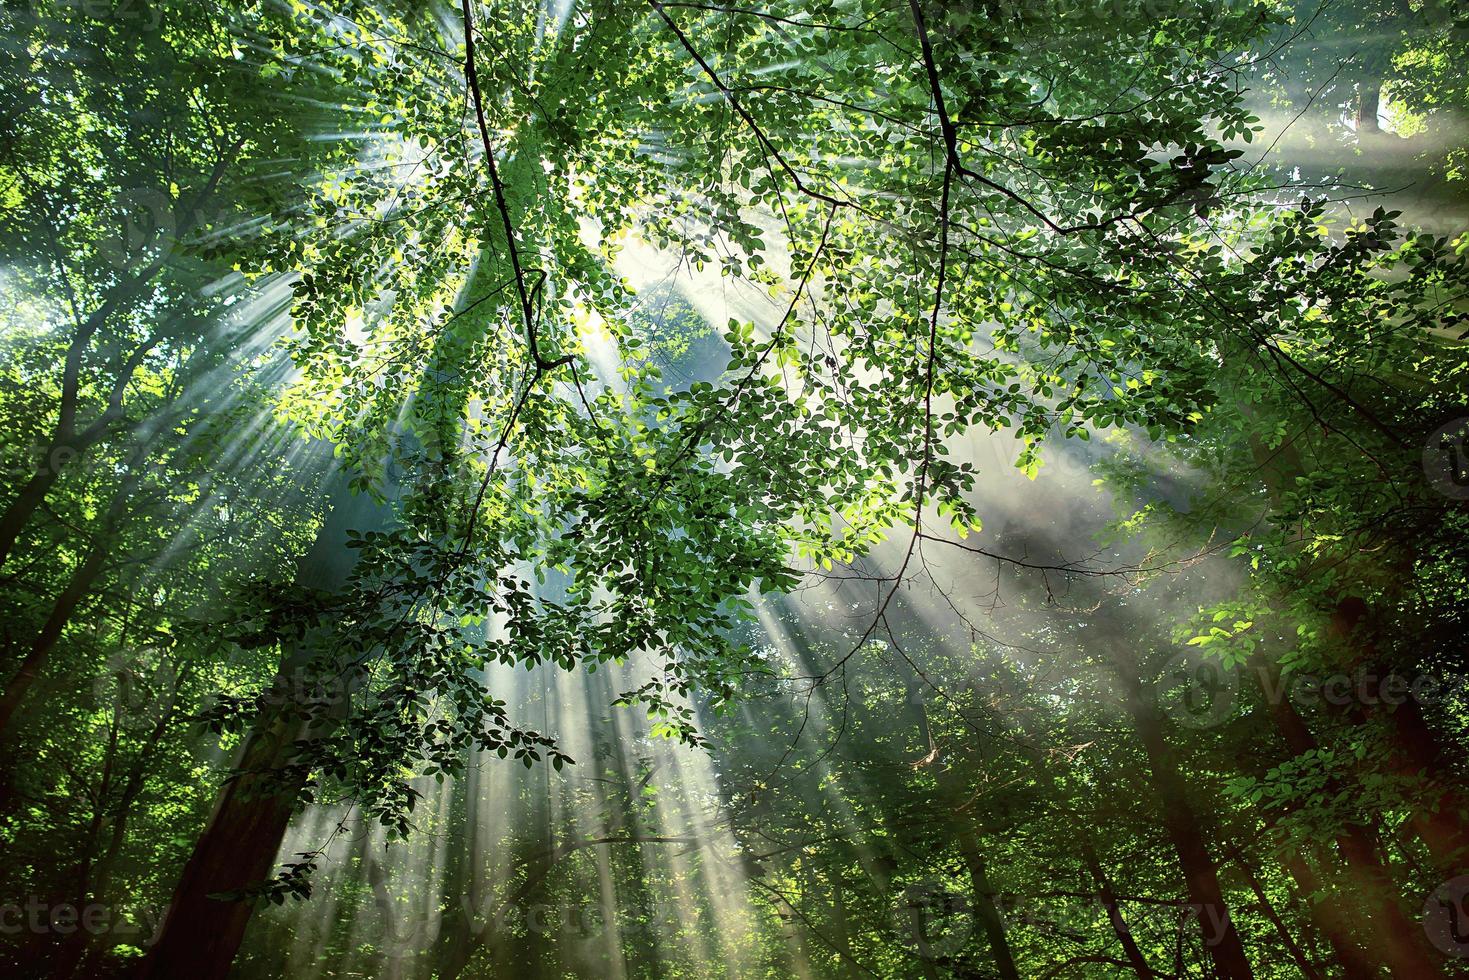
647	488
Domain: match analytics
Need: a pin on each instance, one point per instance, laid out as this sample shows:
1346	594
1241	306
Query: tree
590	332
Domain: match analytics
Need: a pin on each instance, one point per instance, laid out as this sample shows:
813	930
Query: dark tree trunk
455	954
1108	897
30	669
986	914
1417	754
842	921
1441	821
18	514
1403	946
77	589
1221	939
1297	955
200	935
1331	919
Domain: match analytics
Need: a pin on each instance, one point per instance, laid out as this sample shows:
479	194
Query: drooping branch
523	291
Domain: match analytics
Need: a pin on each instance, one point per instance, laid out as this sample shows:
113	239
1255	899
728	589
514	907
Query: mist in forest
699	490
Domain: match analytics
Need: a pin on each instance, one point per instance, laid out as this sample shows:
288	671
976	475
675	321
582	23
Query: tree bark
1442	826
1416	751
1221	939
77	589
1297	955
66	442
1369	100
1404	947
986	914
1108	897
200	934
95	875
1331	920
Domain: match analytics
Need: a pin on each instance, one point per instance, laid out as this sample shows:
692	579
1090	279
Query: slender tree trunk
77	589
986	914
67	443
457	896
842	921
1404	948
18	514
1442	825
1404	945
1297	955
1331	919
1394	939
1108	897
34	663
1221	939
455	954
94	876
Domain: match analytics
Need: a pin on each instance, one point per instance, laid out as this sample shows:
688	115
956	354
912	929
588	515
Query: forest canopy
633	488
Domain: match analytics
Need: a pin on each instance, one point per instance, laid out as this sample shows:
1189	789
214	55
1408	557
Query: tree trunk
1221	939
67	443
986	914
1108	897
1333	922
76	590
454	955
200	935
1416	751
1369	99
1404	947
1297	955
94	876
244	834
18	514
842	921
